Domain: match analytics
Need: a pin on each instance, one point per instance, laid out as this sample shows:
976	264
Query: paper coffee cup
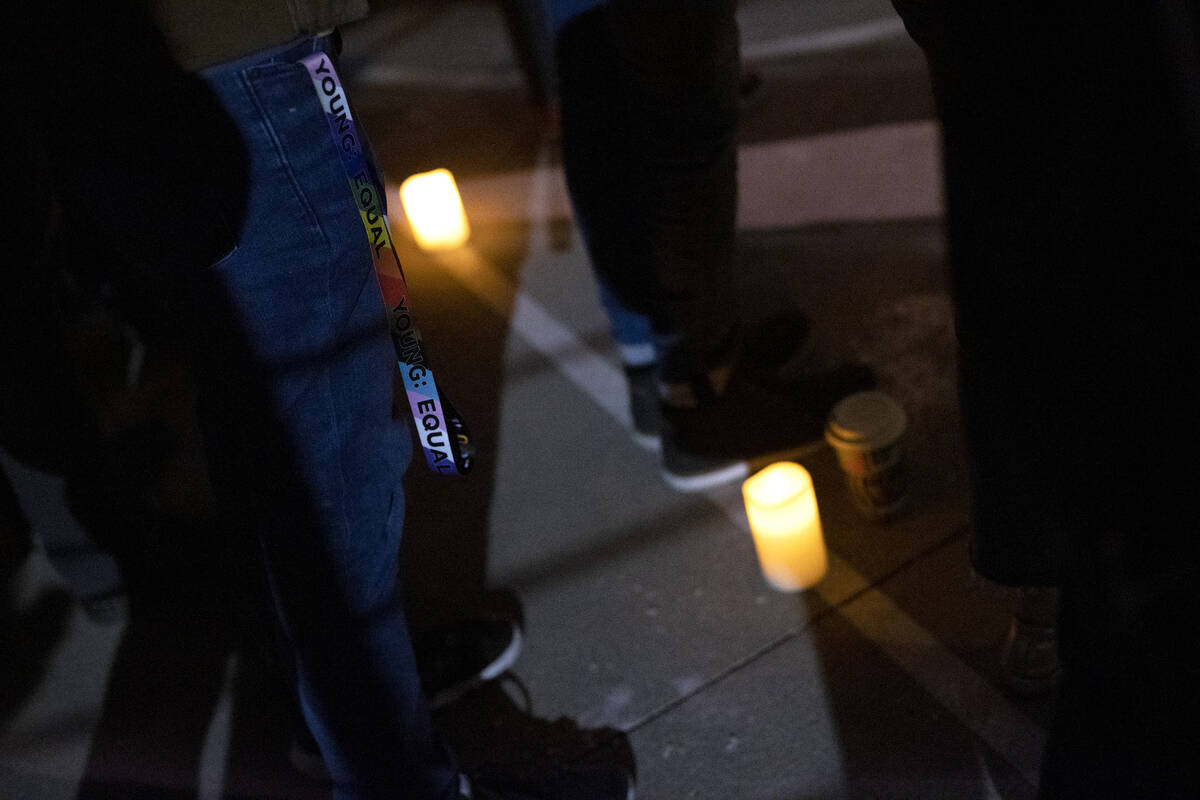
866	429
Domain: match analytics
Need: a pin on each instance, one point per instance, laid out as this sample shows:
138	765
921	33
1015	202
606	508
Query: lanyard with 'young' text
442	432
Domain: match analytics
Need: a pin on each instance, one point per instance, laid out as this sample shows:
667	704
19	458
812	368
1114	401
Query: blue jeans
227	187
298	369
649	112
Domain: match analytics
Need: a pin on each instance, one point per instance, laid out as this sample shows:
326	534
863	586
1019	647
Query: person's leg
1130	690
297	409
529	32
649	104
1066	162
677	69
1000	162
92	573
628	158
50	445
650	95
601	174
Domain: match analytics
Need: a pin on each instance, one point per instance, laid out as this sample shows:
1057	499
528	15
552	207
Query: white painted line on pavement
460	79
960	690
826	40
597	377
882	172
506	76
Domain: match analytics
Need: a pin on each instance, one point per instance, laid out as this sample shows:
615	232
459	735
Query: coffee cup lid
865	418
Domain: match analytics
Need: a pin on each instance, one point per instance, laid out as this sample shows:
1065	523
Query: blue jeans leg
298	369
649	111
632	331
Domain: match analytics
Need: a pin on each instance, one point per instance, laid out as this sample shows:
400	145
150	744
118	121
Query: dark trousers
1072	160
649	111
51	449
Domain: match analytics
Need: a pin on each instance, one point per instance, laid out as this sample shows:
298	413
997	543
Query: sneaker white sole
494	670
736	471
506	659
647	441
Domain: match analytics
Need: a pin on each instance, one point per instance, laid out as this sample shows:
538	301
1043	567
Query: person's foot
643	405
592	781
1029	661
304	755
452	659
769	349
112	609
455	658
718	438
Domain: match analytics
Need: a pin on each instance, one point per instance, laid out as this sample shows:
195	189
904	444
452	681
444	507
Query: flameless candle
782	510
434	210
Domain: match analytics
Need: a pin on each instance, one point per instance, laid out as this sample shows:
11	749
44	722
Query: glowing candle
434	210
782	510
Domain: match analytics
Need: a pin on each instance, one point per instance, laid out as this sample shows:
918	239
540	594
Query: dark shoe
455	658
1029	661
769	348
595	781
305	756
112	609
694	472
643	405
774	344
452	659
722	436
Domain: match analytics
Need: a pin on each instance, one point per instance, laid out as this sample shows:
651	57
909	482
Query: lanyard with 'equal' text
442	432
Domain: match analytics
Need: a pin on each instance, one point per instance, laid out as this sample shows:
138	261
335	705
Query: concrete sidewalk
651	636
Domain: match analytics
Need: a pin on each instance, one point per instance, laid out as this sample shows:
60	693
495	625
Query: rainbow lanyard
442	432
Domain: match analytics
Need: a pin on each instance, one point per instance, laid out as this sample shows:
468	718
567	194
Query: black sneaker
452	659
721	436
592	781
111	609
1029	661
694	472
305	756
643	405
768	349
455	658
